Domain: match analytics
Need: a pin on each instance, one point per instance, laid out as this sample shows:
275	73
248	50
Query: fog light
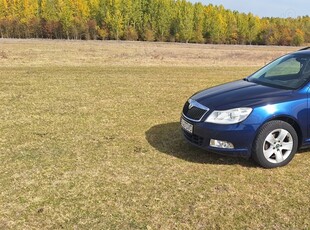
221	144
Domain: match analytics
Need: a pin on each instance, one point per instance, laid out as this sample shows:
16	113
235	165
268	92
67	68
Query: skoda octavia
265	116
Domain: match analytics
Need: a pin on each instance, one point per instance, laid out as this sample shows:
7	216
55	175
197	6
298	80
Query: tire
275	145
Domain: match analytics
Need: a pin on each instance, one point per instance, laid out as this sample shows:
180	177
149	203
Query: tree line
146	20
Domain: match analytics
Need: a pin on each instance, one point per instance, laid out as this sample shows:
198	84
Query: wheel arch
293	122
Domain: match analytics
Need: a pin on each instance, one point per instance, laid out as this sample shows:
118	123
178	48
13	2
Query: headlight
231	116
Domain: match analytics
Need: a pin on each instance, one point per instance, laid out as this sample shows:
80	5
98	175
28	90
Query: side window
306	69
289	67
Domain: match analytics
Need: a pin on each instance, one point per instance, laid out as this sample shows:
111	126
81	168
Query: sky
265	8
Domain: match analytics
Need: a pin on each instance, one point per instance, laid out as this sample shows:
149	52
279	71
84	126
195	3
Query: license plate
186	126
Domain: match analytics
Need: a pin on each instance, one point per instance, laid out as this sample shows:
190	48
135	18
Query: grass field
90	139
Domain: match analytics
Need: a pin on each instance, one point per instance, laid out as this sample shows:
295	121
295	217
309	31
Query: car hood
240	94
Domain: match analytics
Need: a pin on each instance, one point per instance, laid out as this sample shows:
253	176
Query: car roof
305	50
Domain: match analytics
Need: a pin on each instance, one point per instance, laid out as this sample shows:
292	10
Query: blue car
265	116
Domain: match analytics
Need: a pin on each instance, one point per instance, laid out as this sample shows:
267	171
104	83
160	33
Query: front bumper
240	135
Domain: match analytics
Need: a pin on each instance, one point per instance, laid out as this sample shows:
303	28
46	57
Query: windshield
289	72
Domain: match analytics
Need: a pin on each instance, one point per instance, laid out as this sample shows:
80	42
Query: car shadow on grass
168	139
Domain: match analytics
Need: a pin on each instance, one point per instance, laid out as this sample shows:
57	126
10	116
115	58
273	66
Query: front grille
194	112
193	138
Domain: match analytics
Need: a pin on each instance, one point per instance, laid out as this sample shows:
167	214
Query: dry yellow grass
38	53
90	139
